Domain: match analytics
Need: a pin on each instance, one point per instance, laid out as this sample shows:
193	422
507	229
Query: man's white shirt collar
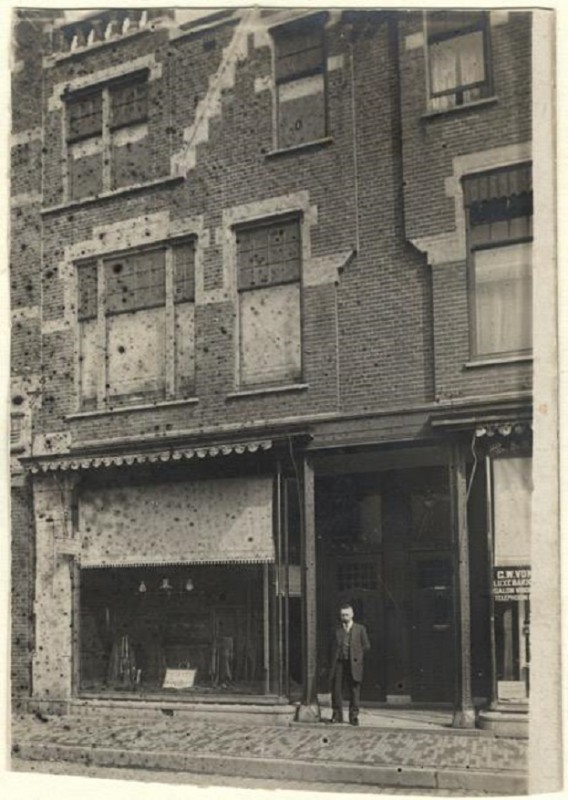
349	625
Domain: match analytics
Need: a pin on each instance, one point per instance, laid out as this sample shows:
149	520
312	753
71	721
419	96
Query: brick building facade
271	288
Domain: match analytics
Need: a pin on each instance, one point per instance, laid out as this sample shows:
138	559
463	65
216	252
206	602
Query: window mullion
101	335
106	141
170	373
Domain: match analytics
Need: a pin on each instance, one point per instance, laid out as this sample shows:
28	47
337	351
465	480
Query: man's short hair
345	605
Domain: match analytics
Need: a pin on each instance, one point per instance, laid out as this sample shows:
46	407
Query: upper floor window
458	58
136	326
300	79
269	262
106	137
499	221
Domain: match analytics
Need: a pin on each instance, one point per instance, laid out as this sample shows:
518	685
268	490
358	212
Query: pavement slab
365	754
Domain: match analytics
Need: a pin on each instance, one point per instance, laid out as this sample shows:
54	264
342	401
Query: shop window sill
298	148
124	190
475	363
103	412
293	387
103	698
473	106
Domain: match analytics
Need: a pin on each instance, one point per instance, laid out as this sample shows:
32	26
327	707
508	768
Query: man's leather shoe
336	720
353	721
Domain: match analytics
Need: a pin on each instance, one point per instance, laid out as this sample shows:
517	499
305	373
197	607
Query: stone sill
298	148
497	360
473	106
123	191
293	387
190	701
104	412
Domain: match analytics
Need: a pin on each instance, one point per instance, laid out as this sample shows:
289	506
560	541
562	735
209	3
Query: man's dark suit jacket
359	645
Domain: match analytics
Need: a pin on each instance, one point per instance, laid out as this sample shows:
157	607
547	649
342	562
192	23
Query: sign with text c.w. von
511	583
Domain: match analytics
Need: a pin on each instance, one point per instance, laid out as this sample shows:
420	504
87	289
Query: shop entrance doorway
385	546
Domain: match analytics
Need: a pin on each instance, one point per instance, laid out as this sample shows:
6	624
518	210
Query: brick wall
29	46
354	355
431	143
22	591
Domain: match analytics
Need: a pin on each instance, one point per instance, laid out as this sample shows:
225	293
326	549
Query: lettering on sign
511	583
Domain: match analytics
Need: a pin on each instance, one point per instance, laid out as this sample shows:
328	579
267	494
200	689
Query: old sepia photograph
282	388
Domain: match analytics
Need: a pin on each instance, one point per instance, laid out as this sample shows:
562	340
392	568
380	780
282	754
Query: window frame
252	224
172	390
107	128
318	19
483	26
472	249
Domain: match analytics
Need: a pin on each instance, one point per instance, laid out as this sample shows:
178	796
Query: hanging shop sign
511	583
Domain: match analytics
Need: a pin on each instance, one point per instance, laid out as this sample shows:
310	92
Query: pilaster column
52	678
308	710
464	712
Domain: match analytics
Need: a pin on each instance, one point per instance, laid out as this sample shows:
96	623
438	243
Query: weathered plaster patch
25	137
498	17
130	135
414	40
25	312
263	84
335	62
54	442
325	269
25	199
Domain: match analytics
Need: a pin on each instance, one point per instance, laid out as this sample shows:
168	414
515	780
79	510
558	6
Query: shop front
220	581
181	588
386	545
169	581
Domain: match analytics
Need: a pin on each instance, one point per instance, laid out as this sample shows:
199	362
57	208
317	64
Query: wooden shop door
432	634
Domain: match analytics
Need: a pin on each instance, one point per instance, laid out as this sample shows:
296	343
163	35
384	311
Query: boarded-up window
85	168
458	57
499	215
300	82
127	343
107	125
269	268
136	353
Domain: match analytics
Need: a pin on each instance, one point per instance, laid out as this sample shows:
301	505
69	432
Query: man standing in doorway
349	646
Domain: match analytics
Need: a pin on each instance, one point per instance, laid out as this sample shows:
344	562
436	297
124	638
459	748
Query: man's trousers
343	679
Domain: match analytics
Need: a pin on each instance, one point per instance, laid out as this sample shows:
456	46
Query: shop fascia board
465	418
111	453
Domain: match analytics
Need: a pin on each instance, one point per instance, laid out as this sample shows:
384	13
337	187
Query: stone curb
497	782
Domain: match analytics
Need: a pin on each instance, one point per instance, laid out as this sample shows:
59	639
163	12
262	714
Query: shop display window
191	629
